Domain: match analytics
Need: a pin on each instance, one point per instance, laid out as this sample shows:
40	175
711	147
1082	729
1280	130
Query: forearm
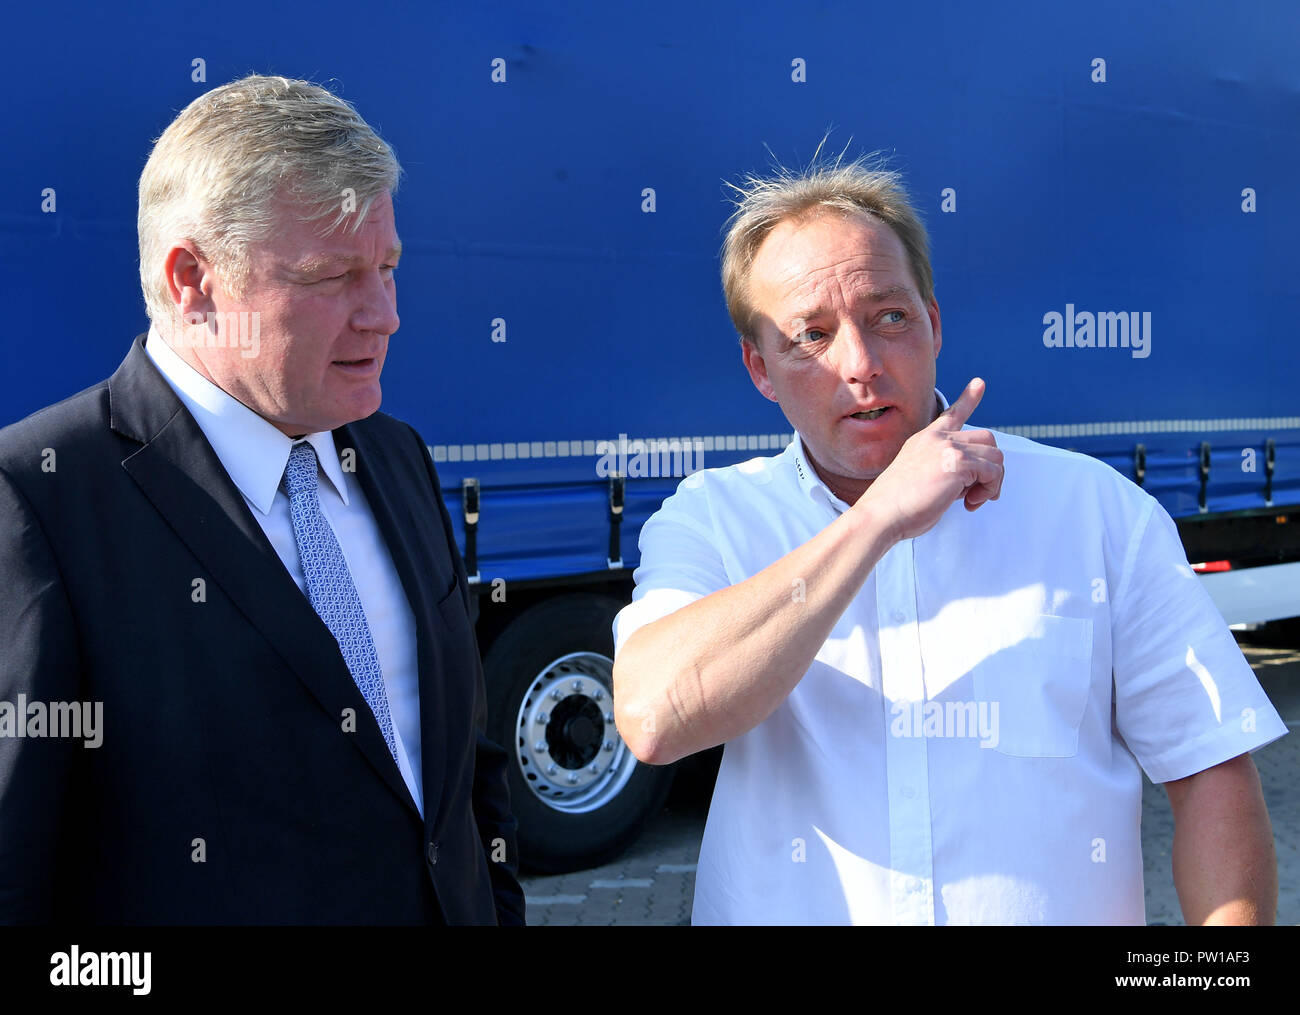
717	668
721	665
1225	868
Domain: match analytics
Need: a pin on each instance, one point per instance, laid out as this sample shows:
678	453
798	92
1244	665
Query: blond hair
216	171
862	186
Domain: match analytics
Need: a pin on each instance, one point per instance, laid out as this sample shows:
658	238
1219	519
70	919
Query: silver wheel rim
566	744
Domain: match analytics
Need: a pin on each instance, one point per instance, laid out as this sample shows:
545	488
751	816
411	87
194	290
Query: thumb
956	415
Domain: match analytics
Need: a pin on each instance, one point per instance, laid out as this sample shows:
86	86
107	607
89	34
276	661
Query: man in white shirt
932	714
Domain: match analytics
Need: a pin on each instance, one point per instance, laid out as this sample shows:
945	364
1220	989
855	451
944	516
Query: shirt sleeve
1185	698
680	563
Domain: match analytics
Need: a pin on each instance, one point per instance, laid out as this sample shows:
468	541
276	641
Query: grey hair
216	171
862	186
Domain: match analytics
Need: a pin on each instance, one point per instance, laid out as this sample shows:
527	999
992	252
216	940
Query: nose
856	355
377	308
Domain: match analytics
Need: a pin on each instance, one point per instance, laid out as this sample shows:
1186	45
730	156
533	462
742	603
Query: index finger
960	411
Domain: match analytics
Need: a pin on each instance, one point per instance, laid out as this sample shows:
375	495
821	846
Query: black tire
556	835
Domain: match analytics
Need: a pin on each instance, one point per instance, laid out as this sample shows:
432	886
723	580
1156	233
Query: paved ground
653	883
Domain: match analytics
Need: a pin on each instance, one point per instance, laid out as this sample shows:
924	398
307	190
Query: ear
189	280
757	368
933	311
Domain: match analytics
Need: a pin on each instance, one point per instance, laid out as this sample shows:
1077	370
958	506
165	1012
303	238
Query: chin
372	406
340	416
870	471
358	405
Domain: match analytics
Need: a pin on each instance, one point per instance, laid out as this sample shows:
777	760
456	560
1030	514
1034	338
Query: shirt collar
810	483
253	452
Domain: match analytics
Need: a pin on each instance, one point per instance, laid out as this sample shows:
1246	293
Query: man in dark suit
243	577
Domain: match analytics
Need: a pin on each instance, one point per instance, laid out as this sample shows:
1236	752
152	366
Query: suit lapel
180	474
379	477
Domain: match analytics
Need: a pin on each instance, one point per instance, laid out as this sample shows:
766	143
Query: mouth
871	414
357	366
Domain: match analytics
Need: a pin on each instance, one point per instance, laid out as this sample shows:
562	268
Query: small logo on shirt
947	719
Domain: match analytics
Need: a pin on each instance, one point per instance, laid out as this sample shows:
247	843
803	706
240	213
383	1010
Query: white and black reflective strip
1051	431
591	448
512	450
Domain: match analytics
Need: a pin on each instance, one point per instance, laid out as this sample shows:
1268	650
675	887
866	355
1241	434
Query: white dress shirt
964	748
254	454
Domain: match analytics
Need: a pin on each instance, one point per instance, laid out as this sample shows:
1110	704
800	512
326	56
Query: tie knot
300	473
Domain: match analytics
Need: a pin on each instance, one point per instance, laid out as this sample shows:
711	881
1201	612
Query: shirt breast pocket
1038	670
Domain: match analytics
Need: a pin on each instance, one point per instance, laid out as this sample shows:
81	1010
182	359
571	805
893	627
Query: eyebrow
314	264
874	296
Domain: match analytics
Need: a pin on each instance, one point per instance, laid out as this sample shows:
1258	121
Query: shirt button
432	853
898	616
913	885
908	792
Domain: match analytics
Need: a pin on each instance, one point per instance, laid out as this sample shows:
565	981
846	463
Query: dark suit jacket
226	789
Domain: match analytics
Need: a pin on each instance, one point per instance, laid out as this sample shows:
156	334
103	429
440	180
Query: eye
899	316
807	335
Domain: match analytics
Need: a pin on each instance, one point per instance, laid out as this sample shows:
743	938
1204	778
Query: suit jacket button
432	853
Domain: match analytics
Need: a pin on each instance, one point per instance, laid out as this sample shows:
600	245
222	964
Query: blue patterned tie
329	586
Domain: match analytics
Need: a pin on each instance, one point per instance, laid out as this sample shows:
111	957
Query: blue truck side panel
525	203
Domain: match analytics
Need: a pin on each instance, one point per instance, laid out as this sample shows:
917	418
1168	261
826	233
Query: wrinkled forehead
835	256
302	232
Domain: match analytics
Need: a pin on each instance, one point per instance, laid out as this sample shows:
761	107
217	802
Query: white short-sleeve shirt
965	747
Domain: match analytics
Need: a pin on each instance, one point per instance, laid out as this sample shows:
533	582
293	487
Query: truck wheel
579	795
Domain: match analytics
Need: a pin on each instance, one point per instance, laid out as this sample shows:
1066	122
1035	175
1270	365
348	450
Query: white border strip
1152	426
514	450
